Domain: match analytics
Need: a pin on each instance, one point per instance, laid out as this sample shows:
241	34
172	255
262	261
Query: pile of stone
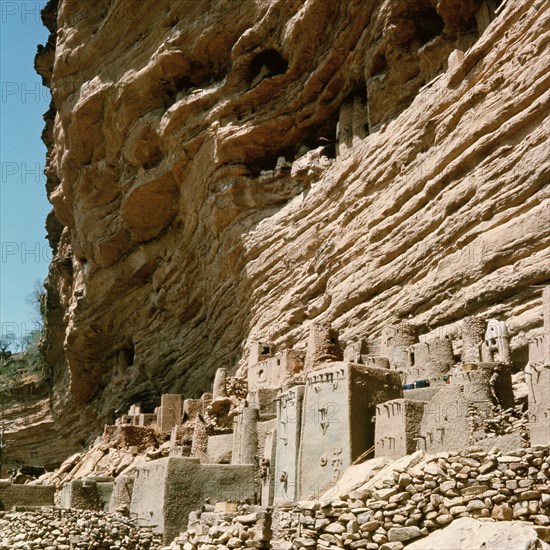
249	527
413	501
108	456
401	504
512	420
237	386
60	529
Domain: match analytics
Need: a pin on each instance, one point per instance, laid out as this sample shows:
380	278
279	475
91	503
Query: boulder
473	534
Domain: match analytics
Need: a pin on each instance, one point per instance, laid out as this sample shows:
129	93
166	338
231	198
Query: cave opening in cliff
269	162
429	24
358	93
520	357
267	64
324	135
320	135
127	356
379	64
172	88
329	150
148	402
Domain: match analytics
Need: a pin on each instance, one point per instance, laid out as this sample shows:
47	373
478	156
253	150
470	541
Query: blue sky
25	253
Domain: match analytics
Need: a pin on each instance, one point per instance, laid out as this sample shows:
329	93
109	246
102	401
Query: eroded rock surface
29	429
413	183
467	533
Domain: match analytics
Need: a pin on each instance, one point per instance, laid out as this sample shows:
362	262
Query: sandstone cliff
30	435
413	183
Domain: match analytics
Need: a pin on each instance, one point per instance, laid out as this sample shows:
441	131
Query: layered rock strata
30	434
225	171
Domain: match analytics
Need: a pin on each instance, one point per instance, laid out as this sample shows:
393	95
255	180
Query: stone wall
248	527
416	496
289	425
91	493
60	529
422	498
538	384
428	360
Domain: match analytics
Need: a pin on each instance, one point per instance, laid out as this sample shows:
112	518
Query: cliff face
30	436
412	184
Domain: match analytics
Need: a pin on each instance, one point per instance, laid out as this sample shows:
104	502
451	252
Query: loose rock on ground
61	529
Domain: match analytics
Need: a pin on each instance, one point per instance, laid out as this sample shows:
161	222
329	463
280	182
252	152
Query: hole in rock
182	83
428	25
325	135
148	406
266	164
358	93
330	151
353	117
267	64
174	89
127	356
148	401
171	88
520	357
318	134
154	162
378	65
66	264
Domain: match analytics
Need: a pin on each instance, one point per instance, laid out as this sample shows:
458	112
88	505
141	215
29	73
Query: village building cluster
289	431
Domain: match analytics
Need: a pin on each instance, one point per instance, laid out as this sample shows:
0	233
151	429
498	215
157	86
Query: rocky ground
410	502
382	506
60	529
378	505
